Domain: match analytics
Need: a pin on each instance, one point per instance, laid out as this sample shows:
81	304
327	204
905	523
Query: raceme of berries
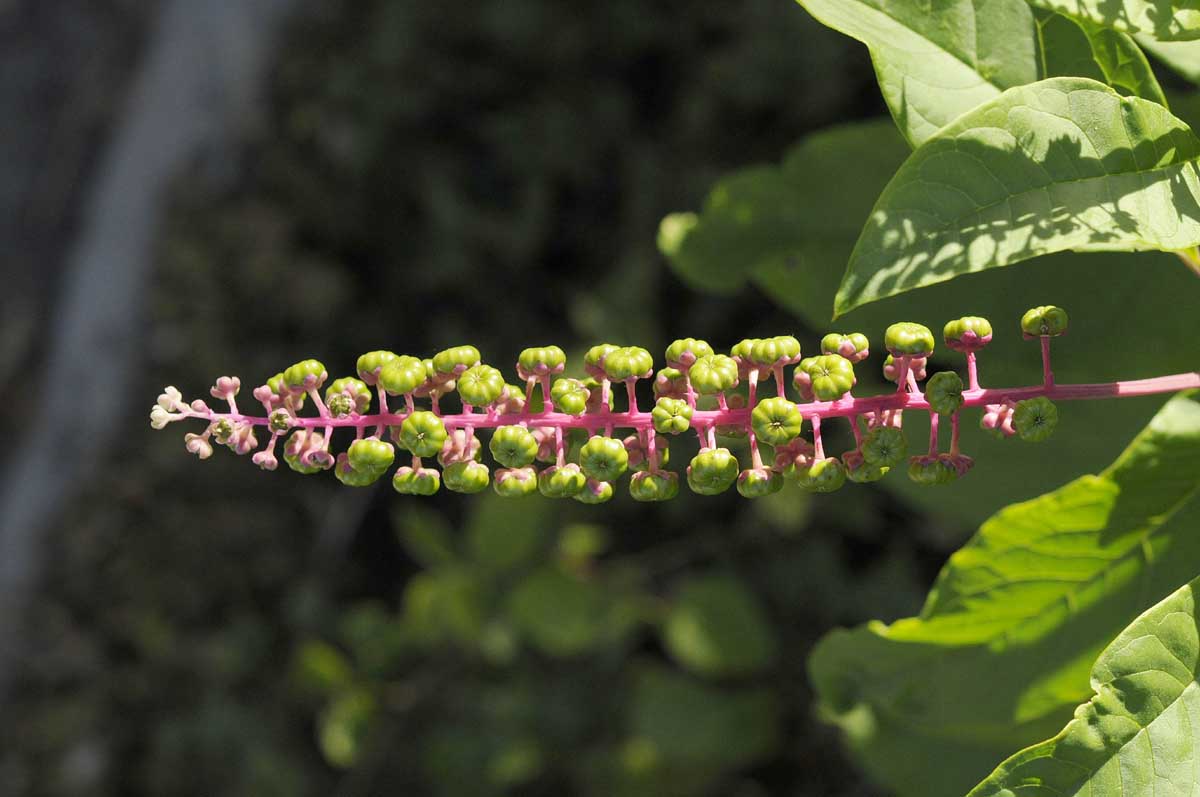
393	409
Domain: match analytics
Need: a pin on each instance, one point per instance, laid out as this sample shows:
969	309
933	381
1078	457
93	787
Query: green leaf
1138	733
1062	164
1183	57
561	614
788	233
934	66
999	656
1076	47
1166	20
344	726
504	533
716	627
425	535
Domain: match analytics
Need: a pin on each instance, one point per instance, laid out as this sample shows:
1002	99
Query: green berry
480	385
628	362
660	485
353	389
776	421
885	446
339	405
831	376
714	373
743	349
670	383
570	396
929	470
758	482
907	339
564	481
370	364
416	481
513	446
944	392
515	482
594	492
712	471
682	353
277	386
854	347
304	375
466	477
593	359
603	458
1044	320
779	350
969	333
1035	419
370	453
541	361
350	476
822	476
859	470
449	363
423	433
671	416
402	375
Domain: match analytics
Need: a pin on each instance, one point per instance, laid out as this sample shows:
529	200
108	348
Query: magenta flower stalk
694	391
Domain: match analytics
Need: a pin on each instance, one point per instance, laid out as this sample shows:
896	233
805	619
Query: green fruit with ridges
944	392
466	477
570	396
714	373
671	416
351	476
1035	419
513	446
541	361
885	446
594	492
907	339
564	481
859	470
515	482
603	458
370	453
370	364
779	350
969	333
712	472
453	361
628	362
822	476
402	375
1044	320
854	347
480	385
423	433
304	375
831	376
776	421
593	359
931	470
660	485
758	482
682	353
419	481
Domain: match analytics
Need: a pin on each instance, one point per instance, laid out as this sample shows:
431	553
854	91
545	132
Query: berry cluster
568	423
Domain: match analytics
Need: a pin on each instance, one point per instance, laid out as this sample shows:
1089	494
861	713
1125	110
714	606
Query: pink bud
199	406
226	387
265	395
265	460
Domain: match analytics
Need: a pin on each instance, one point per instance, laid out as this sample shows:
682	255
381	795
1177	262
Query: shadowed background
197	189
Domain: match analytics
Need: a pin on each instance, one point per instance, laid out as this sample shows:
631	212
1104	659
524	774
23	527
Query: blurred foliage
421	179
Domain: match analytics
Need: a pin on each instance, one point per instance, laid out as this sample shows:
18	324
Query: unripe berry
593	359
370	364
370	453
907	339
350	476
1044	320
966	334
712	471
660	485
758	482
539	361
570	396
831	376
423	433
449	363
779	350
776	421
510	401
403	374
459	447
944	392
930	470
822	476
671	416
466	477
340	405
854	347
304	375
353	389
280	421
885	446
628	362
277	385
603	458
670	383
916	367
683	353
480	385
515	482
513	446
416	481
1035	419
594	492
859	470
714	373
639	454
564	481
741	353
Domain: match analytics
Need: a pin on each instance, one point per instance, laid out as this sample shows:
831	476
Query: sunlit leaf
1167	20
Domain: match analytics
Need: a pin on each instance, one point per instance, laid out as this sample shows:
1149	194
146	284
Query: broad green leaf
934	64
425	535
1183	57
716	627
1076	47
1166	20
562	615
999	655
1063	164
789	233
503	533
1140	731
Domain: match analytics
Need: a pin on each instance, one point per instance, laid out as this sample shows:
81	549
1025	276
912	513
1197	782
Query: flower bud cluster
567	424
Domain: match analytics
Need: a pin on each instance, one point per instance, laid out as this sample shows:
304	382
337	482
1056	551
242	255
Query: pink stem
818	449
410	403
383	408
529	383
652	449
901	374
753	382
1047	374
691	392
605	395
722	403
933	433
547	402
912	383
972	371
712	437
777	372
857	431
632	393
560	448
954	434
755	457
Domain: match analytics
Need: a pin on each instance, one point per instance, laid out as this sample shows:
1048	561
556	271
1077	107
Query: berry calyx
671	416
1035	419
776	421
480	385
603	458
423	433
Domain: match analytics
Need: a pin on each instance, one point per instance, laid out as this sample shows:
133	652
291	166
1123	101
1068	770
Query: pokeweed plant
694	391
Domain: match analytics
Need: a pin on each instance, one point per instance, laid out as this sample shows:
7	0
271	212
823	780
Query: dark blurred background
192	189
